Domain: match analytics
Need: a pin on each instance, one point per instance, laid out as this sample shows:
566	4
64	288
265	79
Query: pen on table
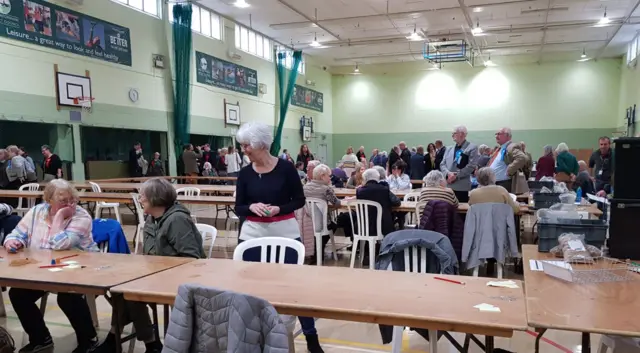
449	280
53	266
67	257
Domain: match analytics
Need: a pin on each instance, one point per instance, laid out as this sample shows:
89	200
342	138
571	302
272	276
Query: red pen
54	266
68	257
450	280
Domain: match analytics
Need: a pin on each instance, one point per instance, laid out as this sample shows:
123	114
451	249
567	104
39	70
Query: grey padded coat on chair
209	320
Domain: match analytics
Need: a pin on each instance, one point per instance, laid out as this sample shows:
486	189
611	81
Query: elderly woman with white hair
435	189
319	187
372	190
489	192
567	167
56	224
546	166
268	192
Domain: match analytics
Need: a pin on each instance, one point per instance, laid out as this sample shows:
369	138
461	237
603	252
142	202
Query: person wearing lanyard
52	165
601	164
267	194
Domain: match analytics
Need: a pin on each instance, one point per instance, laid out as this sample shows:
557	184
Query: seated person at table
168	231
56	224
8	221
398	180
374	191
583	180
435	188
489	192
383	175
355	180
320	188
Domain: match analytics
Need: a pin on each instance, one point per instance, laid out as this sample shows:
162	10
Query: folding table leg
3	311
118	329
540	334
488	344
166	310
586	342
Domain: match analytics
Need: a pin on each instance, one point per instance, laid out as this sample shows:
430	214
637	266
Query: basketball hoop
85	103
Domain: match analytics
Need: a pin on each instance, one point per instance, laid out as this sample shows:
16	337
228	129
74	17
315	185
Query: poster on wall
220	73
52	26
306	98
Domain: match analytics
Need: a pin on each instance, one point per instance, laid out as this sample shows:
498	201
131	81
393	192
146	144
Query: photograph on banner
45	24
307	98
221	73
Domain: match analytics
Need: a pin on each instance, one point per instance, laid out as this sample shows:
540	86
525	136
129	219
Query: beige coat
518	168
492	194
190	160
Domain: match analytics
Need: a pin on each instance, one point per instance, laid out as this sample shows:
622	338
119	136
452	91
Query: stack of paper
487	307
503	284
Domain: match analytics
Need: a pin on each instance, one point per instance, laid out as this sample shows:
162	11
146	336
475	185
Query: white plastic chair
275	243
190	191
627	344
321	205
20	210
139	236
232	218
362	218
100	205
413	264
412	219
207	231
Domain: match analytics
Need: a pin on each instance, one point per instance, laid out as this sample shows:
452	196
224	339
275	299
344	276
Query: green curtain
285	93
182	54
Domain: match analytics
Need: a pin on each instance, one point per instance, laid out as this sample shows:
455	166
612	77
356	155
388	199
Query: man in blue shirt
507	161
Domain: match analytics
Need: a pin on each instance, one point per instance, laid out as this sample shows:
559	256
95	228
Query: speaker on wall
626	158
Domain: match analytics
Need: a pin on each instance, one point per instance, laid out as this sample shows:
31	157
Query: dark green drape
285	93
182	59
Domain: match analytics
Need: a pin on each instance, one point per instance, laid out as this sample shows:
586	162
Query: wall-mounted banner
220	73
52	26
306	98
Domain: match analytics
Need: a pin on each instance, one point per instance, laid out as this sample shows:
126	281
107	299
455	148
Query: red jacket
442	217
546	167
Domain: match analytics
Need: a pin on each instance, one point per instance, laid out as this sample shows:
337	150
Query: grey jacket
489	232
465	166
441	258
209	320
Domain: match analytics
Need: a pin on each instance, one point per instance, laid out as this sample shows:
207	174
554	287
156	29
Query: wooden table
344	192
133	187
611	308
339	293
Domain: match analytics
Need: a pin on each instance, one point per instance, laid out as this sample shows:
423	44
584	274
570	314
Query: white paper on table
69	262
502	284
560	264
535	265
487	307
55	269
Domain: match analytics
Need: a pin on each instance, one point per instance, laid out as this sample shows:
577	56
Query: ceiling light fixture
414	36
604	20
315	43
489	63
356	70
241	4
584	54
477	31
583	60
478	9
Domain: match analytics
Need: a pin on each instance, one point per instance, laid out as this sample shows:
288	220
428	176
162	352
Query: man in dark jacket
440	149
207	156
168	231
374	191
405	155
135	153
416	167
394	156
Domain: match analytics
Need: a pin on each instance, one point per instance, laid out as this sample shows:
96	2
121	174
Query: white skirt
287	228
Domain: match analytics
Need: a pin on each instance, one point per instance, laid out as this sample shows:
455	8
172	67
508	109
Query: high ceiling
374	31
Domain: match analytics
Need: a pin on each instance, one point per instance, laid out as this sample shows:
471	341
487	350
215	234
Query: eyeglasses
67	201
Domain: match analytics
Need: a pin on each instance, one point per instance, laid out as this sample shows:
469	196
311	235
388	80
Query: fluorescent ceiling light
604	20
583	60
478	9
241	4
584	54
490	63
356	70
477	31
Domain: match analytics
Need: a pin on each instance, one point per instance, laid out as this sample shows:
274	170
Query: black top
280	187
439	157
134	168
603	165
304	158
380	193
52	164
208	157
360	155
393	158
417	167
405	155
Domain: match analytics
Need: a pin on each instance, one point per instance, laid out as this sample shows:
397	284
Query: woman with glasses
57	224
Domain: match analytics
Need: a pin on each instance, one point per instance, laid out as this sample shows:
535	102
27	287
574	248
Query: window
253	43
632	49
288	62
151	7
203	21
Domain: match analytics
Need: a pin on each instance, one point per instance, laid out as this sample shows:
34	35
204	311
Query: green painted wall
550	103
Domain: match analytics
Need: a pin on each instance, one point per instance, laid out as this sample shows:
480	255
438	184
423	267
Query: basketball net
85	103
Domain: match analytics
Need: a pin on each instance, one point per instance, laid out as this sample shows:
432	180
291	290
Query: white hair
461	129
370	174
485	176
506	131
583	164
381	171
562	147
482	148
257	135
384	153
434	179
314	163
320	170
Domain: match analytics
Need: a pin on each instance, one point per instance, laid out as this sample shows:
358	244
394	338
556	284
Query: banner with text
48	25
306	98
219	73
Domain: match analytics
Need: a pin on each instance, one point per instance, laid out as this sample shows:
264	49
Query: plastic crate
545	200
536	186
594	230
